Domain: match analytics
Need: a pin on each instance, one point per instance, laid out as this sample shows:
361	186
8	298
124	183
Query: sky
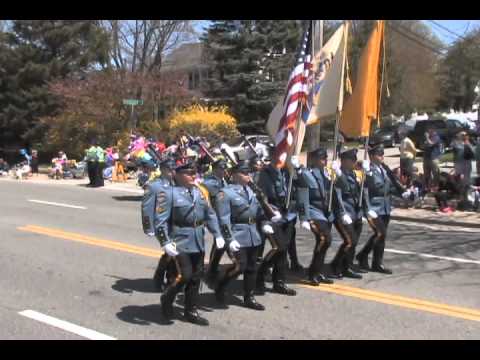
459	27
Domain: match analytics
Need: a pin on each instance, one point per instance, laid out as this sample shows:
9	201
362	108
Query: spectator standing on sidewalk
477	147
34	162
463	154
99	181
4	167
432	150
408	151
92	162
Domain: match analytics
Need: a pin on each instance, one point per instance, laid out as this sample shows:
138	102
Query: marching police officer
381	184
313	193
181	214
214	183
349	213
238	211
274	182
149	201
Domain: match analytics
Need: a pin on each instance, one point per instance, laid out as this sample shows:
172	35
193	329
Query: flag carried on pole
326	78
328	66
363	105
287	111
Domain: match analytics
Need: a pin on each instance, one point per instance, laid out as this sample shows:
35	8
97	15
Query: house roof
185	57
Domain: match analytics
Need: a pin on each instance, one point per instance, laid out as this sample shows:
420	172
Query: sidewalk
425	215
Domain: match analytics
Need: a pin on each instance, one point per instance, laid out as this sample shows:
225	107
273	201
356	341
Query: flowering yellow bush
213	123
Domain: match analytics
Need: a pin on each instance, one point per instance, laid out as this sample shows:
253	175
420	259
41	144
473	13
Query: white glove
406	194
151	234
295	162
306	225
267	229
276	217
336	167
347	220
171	249
372	214
219	242
366	165
234	246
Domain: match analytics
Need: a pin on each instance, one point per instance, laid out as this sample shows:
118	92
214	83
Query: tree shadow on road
128	286
128	198
147	314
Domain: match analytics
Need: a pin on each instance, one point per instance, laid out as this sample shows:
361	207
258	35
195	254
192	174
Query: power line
422	38
415	40
448	30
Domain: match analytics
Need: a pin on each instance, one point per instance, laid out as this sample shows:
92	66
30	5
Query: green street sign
132	102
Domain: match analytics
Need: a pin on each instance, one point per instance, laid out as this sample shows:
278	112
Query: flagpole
295	141
321	46
337	126
367	139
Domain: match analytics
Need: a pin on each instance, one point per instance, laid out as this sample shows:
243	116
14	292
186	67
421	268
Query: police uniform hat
243	166
186	166
350	154
319	153
168	164
376	149
220	164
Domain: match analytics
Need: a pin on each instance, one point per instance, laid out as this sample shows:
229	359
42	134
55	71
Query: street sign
132	102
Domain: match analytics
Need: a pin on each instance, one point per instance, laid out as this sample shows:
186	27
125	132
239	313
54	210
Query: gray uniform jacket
274	183
213	185
149	202
238	212
180	217
380	190
349	199
313	196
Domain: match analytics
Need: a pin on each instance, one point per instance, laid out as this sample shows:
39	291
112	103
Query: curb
436	222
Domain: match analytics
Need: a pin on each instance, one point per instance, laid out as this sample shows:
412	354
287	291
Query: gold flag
362	106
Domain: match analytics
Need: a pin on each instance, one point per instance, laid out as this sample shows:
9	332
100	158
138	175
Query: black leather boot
363	262
167	307
351	274
323	279
251	303
381	269
281	288
191	315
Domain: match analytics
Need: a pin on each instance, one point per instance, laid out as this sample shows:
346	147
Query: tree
214	123
92	108
249	63
411	63
33	53
459	73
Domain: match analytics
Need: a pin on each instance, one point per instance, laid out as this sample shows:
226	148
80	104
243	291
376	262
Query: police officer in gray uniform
313	194
349	213
149	201
238	211
214	183
381	184
181	215
274	182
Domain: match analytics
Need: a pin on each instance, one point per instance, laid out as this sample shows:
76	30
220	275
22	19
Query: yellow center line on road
116	245
406	302
359	293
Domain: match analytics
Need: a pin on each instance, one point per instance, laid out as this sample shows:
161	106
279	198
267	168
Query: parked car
446	129
239	143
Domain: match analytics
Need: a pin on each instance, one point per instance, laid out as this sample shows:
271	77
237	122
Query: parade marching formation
248	198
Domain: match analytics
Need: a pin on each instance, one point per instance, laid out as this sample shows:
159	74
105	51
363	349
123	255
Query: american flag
298	89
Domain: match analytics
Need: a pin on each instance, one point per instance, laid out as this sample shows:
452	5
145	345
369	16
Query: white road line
466	261
64	325
57	204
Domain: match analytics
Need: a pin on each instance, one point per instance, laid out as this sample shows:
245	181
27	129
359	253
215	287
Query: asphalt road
85	272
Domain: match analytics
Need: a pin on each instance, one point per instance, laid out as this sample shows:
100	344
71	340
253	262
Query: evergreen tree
33	53
249	63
